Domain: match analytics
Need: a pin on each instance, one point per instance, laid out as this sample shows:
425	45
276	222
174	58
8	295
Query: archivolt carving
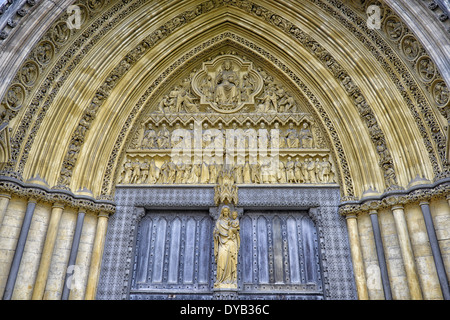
405	83
164	120
286	26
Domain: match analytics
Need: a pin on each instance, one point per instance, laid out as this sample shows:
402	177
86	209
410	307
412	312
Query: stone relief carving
426	69
254	9
170	125
441	93
15	97
29	73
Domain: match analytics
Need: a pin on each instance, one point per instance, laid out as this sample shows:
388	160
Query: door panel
283	258
278	257
173	256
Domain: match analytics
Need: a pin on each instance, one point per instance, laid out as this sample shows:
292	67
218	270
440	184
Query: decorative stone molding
415	194
334	7
42	193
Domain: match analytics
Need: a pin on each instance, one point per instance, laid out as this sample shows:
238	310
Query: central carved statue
227	85
226	249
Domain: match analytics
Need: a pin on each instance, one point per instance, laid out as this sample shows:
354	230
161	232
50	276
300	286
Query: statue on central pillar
226	248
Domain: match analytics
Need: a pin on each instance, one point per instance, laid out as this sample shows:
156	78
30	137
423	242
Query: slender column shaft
14	270
97	252
440	268
47	252
357	258
407	252
380	254
4	202
73	254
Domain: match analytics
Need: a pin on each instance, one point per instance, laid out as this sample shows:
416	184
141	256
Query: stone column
357	258
440	268
380	254
47	252
407	253
4	201
73	254
97	252
10	283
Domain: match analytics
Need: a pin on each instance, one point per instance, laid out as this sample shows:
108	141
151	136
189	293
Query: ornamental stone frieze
420	190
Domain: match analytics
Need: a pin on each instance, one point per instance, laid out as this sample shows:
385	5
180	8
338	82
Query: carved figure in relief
326	171
183	102
255	170
248	86
426	69
238	177
171	167
179	172
163	173
310	167
44	53
268	102
206	88
204	174
298	171
206	136
290	173
226	248
287	103
145	167
291	137
227	82
136	172
163	137
305	136
317	170
250	137
394	29
150	138
213	170
153	172
265	172
128	171
263	136
410	47
281	174
246	173
441	93
165	105
194	174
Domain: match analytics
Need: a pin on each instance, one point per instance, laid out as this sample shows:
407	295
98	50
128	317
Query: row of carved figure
309	170
216	138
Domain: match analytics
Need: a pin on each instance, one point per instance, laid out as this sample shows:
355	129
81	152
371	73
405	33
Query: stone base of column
225	294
